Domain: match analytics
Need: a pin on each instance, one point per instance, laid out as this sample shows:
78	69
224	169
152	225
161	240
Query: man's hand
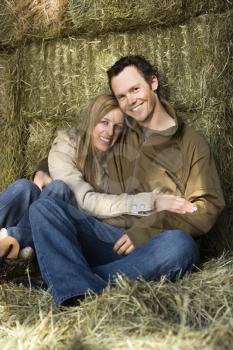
124	245
174	204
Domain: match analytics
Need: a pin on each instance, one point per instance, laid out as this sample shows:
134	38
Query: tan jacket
178	158
62	166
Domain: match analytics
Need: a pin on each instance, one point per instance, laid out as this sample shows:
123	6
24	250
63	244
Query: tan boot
9	247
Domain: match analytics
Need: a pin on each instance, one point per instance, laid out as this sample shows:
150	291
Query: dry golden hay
21	19
31	19
41	133
11	130
98	16
7	85
11	156
193	313
68	72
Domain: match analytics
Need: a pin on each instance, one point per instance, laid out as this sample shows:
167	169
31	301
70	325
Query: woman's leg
28	192
14	205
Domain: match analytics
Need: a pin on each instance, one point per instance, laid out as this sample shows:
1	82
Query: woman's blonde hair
86	153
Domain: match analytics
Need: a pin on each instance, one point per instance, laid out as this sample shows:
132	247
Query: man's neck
160	120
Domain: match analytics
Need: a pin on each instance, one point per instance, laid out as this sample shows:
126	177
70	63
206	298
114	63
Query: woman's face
107	131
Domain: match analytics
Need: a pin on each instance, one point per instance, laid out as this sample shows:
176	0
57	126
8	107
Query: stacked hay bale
63	60
11	131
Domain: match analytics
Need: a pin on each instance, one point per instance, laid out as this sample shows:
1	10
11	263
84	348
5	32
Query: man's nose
131	99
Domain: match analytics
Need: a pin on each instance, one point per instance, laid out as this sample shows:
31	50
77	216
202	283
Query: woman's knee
24	186
58	186
58	189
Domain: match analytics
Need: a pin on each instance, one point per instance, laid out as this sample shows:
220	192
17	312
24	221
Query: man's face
135	96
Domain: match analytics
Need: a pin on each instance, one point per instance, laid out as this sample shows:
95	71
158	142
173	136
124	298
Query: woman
79	159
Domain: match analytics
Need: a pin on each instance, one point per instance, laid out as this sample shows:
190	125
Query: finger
124	247
130	249
183	204
119	242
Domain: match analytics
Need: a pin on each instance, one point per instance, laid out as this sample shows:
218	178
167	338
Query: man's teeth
135	108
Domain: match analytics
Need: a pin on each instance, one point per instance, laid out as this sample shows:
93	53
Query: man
157	151
166	152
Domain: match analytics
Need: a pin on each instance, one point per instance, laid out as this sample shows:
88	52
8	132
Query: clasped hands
169	202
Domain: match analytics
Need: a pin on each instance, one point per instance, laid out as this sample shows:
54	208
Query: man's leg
171	254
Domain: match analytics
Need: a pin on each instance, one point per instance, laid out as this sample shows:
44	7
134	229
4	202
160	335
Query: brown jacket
177	158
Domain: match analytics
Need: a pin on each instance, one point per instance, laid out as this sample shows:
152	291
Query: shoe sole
9	244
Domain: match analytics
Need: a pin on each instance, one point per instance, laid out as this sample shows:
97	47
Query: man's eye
136	89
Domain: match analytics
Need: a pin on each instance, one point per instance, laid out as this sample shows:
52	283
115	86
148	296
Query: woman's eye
119	126
104	122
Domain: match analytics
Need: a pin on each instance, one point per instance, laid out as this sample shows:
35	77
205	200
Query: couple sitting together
129	193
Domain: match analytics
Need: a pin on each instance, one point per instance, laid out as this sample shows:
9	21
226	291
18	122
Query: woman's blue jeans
16	200
75	251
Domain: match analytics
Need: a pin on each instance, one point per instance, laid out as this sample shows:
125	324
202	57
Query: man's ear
154	82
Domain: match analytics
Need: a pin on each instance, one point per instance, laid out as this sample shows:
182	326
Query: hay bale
7	64
11	157
27	20
53	78
67	72
41	133
94	17
23	19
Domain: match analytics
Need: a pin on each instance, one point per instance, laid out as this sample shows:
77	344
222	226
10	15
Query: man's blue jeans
16	200
75	251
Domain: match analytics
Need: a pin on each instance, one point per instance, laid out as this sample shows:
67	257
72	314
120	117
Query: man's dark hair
143	66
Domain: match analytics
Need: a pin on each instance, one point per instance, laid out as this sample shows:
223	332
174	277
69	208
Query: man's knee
182	248
172	254
182	252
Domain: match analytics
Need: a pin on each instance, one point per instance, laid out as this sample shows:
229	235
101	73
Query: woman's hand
41	179
174	204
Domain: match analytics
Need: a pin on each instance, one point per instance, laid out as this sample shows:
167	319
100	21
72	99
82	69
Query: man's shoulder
192	138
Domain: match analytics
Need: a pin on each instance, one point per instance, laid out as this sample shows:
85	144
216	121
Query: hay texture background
30	20
193	313
11	124
62	49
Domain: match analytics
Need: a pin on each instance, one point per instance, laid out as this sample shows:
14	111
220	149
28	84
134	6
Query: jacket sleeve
62	166
202	188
